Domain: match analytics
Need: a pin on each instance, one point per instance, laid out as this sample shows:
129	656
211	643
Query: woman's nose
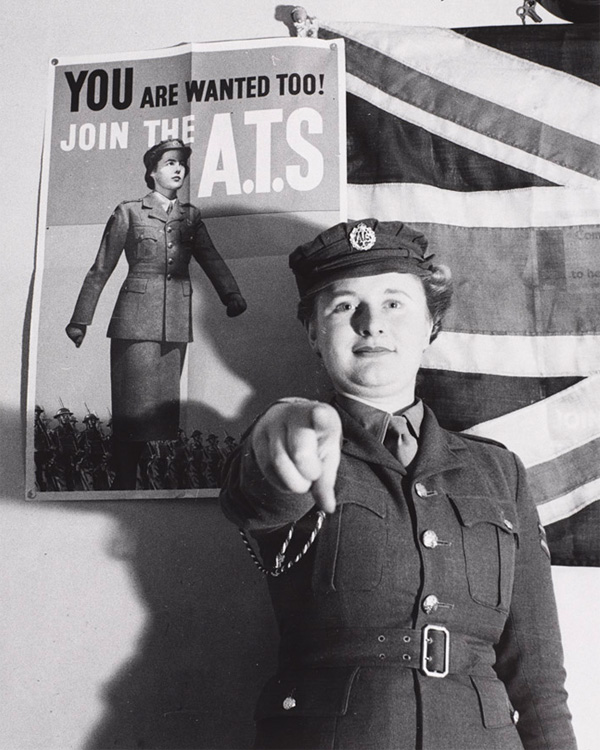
368	322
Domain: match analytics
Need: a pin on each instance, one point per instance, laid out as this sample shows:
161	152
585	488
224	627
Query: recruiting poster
179	305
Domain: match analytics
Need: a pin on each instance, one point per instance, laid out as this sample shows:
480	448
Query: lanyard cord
280	564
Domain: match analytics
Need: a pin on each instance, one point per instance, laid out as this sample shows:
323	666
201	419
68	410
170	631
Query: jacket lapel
177	212
154	207
439	449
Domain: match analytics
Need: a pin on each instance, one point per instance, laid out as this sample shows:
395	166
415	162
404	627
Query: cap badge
362	237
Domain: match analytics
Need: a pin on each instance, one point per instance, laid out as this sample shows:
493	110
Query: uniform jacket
352	611
154	303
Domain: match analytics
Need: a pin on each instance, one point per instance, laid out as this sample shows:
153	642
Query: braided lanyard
280	564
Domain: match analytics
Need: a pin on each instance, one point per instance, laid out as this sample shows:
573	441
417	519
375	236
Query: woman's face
371	332
169	173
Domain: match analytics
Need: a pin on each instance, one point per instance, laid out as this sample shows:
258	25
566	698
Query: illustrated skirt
145	379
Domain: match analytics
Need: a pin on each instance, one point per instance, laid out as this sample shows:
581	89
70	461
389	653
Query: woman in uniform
151	323
407	567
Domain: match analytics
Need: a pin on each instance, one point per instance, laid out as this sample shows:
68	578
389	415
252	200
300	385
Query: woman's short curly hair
438	290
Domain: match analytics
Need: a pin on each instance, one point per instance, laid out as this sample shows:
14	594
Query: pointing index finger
328	428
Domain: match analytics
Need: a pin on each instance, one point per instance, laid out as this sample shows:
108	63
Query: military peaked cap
359	248
152	155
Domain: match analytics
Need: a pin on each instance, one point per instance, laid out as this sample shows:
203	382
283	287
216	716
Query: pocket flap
493	701
135	285
349	490
474	509
307	692
146	233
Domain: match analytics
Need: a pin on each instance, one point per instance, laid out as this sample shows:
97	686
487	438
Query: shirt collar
163	200
377	421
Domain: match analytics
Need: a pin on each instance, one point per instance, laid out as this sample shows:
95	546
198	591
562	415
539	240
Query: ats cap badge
362	237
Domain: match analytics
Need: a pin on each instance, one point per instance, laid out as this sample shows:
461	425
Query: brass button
169	244
429	539
170	261
515	716
169	277
430	603
420	489
509	524
381	638
288	703
169	229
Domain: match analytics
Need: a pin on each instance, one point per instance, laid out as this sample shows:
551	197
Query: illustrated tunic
442	569
154	303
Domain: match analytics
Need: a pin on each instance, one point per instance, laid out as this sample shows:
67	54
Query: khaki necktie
400	441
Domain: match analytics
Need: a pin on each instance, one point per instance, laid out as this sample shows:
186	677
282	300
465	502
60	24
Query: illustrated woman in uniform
151	324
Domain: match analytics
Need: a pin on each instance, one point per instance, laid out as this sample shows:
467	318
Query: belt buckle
425	651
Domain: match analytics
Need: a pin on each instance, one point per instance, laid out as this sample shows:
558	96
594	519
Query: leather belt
434	650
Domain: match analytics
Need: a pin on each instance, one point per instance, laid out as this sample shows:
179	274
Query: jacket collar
439	449
155	206
361	443
377	421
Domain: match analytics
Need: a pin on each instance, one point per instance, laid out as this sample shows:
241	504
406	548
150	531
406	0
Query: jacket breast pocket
489	538
146	241
352	545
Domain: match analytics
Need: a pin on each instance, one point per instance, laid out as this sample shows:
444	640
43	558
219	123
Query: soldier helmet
63	412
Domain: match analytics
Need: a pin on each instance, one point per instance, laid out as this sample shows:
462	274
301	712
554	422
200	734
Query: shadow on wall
209	640
210	637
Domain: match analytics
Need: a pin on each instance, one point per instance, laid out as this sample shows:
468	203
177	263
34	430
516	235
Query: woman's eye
394	304
343	307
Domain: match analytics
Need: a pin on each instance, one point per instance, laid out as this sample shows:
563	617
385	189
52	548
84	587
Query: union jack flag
488	140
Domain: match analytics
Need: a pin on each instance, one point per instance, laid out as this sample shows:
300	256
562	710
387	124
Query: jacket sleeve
529	654
111	247
251	501
213	265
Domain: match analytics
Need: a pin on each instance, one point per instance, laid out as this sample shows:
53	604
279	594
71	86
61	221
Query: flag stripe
520	356
464	399
568	47
565	160
477	74
527	207
561	423
570	504
559	477
575	540
383	148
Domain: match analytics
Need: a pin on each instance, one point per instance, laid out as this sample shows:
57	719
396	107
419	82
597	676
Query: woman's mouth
371	351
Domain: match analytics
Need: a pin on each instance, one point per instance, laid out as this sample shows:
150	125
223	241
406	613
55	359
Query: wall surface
144	624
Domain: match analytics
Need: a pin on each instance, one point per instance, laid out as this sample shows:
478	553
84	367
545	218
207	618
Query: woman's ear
311	332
